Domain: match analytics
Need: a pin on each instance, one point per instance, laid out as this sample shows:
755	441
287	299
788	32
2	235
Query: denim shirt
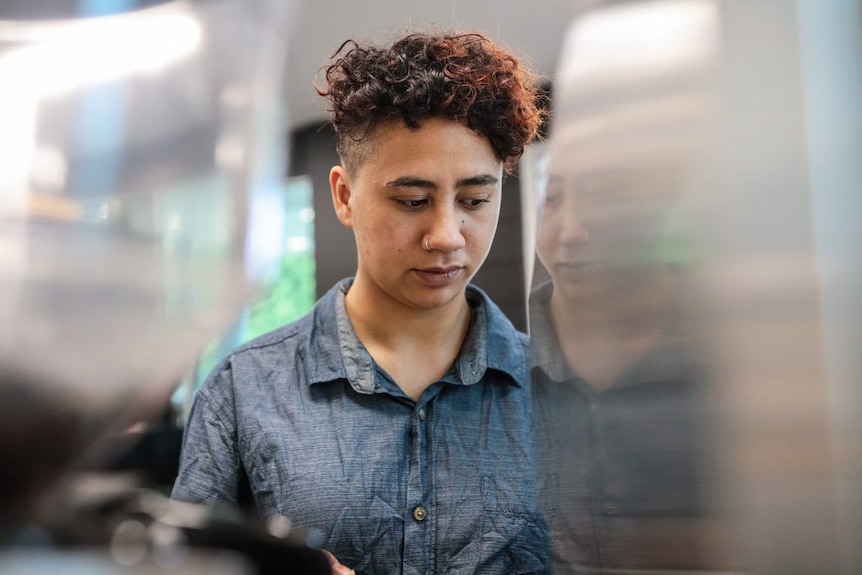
444	484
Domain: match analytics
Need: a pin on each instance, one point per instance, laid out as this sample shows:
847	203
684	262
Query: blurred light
18	121
668	34
68	55
306	215
170	545
279	526
234	96
265	232
230	153
49	168
175	222
98	50
129	543
298	244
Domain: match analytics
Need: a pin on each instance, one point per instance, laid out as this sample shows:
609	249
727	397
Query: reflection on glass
620	385
784	278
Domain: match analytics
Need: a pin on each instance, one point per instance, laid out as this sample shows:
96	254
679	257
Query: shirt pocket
514	538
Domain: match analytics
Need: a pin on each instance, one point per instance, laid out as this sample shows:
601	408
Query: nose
572	231
445	232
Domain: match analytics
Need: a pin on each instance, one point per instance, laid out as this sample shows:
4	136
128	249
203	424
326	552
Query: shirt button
610	507
422	414
419	514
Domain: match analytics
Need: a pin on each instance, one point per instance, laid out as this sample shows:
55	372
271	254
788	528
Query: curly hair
463	77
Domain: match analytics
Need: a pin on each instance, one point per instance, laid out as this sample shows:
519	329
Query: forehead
658	133
437	145
635	153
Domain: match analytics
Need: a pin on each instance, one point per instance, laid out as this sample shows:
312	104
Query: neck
386	321
415	346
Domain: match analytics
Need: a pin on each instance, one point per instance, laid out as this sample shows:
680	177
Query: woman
393	421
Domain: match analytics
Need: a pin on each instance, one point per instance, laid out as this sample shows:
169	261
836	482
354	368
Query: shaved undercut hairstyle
458	76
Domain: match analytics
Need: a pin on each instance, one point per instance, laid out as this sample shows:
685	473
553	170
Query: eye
475	203
413	204
552	199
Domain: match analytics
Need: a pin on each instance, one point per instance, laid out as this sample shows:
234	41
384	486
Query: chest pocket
513	538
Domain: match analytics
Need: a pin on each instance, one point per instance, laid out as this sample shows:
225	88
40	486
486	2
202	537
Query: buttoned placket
598	491
419	515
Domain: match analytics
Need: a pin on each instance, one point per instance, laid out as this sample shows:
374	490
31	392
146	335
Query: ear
339	184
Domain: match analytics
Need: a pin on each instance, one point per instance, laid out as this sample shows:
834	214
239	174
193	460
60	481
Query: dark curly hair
460	76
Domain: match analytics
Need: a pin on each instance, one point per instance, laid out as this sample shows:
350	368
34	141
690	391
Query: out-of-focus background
169	203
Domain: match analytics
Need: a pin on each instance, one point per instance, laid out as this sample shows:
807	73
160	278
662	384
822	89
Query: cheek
481	229
385	238
548	231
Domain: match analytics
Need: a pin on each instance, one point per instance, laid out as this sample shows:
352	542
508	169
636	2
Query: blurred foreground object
781	228
736	163
141	143
620	385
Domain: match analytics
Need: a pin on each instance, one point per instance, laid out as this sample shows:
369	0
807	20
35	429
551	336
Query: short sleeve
209	463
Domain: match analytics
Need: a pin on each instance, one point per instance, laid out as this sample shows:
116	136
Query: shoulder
278	353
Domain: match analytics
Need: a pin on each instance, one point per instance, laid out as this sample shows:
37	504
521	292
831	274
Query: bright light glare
298	244
306	215
17	133
70	56
96	51
622	40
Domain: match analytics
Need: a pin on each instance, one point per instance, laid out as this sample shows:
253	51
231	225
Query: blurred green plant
291	297
286	298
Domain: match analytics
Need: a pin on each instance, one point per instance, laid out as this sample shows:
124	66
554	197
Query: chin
437	298
579	292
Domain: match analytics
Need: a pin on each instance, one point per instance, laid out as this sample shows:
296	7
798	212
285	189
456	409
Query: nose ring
427	246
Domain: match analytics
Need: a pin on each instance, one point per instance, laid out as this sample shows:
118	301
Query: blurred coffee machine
139	140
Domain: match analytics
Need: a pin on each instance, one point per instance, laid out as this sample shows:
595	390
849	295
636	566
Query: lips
575	265
438	276
573	270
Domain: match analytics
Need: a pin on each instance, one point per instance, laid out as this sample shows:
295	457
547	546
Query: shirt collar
336	353
546	353
673	359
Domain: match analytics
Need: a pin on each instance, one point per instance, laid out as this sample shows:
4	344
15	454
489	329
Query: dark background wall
312	153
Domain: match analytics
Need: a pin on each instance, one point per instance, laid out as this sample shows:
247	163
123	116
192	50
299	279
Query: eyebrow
416	182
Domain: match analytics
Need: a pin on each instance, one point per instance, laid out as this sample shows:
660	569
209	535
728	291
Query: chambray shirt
392	485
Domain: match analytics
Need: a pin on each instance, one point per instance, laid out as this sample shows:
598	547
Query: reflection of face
600	231
440	183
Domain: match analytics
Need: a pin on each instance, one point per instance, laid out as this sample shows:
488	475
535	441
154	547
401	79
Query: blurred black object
140	528
54	498
152	452
41	436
